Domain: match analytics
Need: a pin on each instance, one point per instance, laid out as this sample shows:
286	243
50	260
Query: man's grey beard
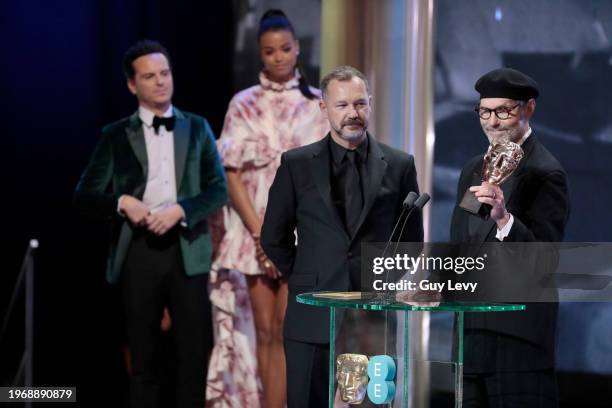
512	135
351	137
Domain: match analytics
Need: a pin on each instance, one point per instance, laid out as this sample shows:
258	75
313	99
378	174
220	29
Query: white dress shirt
160	191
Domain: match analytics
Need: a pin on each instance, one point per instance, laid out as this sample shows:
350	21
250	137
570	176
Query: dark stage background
61	81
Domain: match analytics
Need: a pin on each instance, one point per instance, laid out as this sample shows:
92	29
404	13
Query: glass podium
375	345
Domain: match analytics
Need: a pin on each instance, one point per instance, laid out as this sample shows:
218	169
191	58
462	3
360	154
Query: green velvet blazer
119	166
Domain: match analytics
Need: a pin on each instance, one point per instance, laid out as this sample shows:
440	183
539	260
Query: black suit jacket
300	200
536	195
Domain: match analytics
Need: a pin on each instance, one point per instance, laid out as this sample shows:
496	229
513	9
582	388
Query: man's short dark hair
342	73
142	47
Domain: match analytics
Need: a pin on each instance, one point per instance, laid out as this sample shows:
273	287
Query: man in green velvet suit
156	176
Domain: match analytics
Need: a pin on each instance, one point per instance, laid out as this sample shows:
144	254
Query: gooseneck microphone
410	200
407	205
421	201
411	203
418	205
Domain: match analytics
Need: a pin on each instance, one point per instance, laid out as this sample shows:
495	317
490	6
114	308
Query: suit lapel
135	137
476	223
182	130
376	167
320	170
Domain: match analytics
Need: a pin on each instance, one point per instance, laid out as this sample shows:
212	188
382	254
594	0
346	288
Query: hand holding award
500	161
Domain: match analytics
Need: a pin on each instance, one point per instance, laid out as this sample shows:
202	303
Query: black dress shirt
348	185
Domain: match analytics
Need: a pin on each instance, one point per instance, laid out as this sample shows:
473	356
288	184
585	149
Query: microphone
410	199
421	201
407	205
418	204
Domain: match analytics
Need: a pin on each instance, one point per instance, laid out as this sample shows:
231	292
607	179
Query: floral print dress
261	123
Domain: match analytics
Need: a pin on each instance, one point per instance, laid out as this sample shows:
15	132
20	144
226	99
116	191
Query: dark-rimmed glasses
502	113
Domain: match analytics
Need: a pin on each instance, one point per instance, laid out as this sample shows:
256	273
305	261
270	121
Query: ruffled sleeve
246	137
231	142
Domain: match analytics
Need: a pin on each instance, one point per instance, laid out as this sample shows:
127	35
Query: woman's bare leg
262	293
276	392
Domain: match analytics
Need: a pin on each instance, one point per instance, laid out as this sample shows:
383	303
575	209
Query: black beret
507	83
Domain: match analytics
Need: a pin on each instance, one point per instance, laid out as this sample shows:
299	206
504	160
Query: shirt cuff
503	233
121	213
183	221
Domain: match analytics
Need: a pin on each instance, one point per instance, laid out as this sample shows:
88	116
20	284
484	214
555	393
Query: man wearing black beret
509	357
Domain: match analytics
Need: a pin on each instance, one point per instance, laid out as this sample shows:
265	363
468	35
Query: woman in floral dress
280	113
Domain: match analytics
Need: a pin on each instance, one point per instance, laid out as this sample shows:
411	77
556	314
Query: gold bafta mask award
352	376
499	163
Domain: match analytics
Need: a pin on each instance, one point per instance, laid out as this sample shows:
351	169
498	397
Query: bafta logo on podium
353	371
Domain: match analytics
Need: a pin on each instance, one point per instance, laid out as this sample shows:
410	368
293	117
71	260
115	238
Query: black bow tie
167	122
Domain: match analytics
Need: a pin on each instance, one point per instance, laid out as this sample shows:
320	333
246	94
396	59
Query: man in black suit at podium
338	192
509	357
